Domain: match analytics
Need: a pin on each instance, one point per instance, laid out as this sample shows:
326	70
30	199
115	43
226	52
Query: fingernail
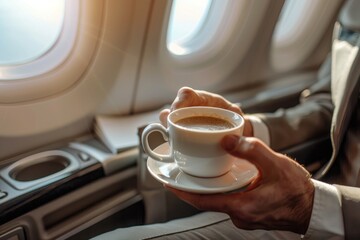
230	142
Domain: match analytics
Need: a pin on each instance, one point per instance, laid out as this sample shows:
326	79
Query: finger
209	202
186	97
255	183
253	150
163	116
213	99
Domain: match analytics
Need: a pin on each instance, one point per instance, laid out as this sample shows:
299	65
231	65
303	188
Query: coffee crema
206	123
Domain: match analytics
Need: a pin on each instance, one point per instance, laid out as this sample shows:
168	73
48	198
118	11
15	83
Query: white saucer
240	175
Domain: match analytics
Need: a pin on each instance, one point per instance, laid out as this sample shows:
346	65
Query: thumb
251	149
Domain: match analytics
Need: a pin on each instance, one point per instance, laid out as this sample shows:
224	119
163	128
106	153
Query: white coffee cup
196	151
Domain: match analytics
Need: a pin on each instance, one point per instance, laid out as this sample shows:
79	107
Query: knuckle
236	108
185	91
255	144
250	144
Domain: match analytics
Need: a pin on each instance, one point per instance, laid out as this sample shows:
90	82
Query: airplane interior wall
120	65
103	82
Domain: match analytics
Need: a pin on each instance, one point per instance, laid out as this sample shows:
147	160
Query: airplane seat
349	16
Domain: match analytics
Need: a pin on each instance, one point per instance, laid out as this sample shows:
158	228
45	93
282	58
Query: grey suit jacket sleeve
350	198
309	119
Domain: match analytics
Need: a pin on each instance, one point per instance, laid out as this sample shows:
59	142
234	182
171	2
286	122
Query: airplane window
295	37
291	13
186	19
28	29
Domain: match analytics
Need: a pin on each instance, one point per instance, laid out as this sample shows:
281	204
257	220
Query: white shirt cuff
260	129
326	220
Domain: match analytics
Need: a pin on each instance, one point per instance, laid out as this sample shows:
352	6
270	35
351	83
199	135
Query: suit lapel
345	75
344	89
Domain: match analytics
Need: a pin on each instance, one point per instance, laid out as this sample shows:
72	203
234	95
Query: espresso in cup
194	137
206	123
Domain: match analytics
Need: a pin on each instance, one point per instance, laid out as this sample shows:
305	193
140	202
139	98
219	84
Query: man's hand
188	97
280	198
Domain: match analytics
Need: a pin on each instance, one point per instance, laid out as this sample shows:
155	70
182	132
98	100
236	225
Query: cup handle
144	139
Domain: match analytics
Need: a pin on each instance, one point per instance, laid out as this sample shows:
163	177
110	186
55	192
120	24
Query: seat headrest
349	16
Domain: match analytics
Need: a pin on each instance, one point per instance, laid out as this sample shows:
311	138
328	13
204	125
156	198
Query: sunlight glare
28	29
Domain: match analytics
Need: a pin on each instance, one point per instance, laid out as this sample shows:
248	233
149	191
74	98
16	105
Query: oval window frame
215	54
293	49
58	69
